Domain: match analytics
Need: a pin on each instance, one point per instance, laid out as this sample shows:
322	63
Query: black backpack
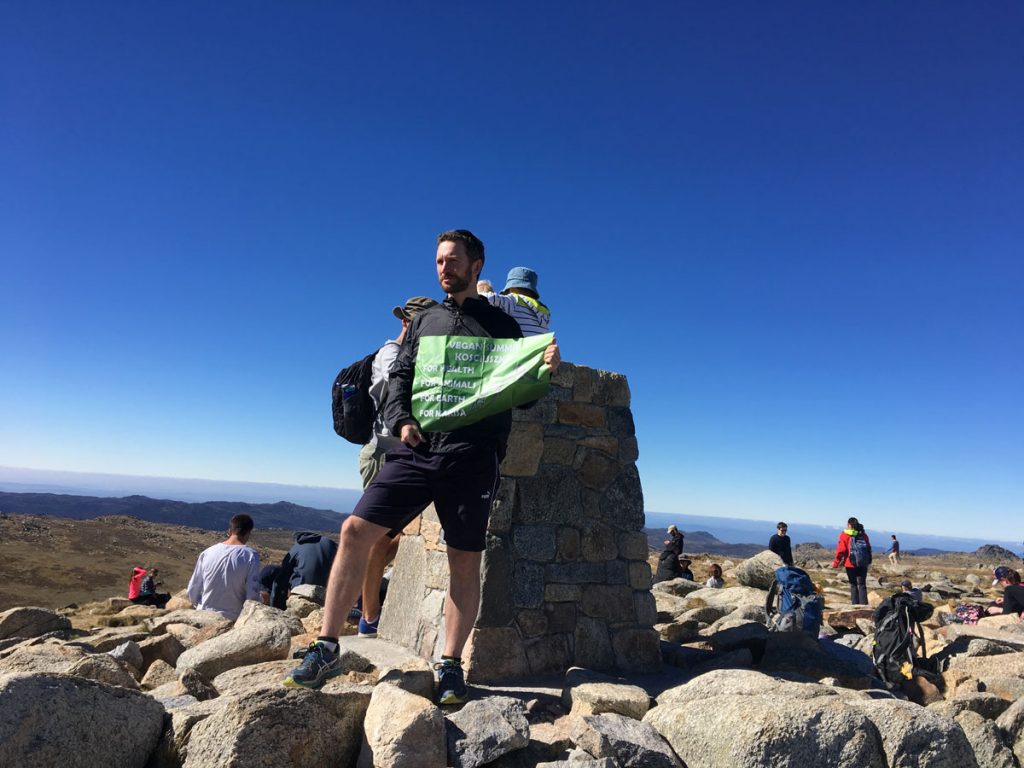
351	404
899	644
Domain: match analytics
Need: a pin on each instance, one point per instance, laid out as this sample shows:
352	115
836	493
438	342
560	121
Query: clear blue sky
796	227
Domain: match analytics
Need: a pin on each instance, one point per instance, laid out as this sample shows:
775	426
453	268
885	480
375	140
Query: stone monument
566	580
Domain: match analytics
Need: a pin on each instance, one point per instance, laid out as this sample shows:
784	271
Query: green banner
460	380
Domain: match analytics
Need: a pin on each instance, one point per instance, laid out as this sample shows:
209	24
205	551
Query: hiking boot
451	685
368	628
318	666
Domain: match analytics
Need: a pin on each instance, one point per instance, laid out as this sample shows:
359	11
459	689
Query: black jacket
668	565
780	546
476	317
309	560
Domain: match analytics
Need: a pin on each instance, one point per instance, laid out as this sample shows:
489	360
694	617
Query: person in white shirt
227	574
521	300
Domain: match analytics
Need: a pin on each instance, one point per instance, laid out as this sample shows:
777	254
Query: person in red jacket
135	585
854	551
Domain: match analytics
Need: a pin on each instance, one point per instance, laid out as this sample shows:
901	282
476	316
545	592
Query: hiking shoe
318	666
451	685
368	628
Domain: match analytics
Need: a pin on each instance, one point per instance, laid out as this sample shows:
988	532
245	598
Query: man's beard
456	284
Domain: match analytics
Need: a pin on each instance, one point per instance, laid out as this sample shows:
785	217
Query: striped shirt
532	316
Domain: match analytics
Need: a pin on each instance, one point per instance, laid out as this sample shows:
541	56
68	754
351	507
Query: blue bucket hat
521	277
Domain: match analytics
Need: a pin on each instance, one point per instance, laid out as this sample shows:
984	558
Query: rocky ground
135	686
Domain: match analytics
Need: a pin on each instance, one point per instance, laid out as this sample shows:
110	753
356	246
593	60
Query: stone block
611	603
583	386
532	622
622	505
637	650
568	543
616	572
620	422
435	575
565	432
611	389
495	653
534	542
562	593
528	585
599	543
558	450
574	573
605	444
640	575
581	414
400	615
551	496
629	450
496	584
593	644
597	470
525	446
543	412
566	375
561	617
547	655
633	545
503	509
645	607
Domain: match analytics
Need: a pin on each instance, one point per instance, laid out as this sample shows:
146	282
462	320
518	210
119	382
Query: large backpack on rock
899	644
860	552
351	405
793	605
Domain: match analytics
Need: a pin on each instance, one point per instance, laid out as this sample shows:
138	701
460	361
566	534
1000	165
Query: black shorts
461	486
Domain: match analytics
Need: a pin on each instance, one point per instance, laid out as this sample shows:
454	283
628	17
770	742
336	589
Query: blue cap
521	277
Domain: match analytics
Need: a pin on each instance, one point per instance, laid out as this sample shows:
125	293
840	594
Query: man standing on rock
456	470
227	574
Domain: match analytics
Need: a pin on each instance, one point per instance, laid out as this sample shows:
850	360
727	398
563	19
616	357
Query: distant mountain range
208	515
726	535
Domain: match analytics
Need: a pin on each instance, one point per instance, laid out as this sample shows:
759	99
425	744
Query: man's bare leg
357	538
382	553
463	601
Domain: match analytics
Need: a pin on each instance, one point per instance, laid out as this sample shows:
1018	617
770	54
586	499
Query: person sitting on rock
715	581
684	569
135	584
227	574
908	588
668	565
1012	600
147	590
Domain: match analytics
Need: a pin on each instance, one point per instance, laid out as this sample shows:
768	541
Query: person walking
894	551
853	550
779	543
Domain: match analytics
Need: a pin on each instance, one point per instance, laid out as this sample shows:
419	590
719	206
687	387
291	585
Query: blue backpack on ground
860	552
793	605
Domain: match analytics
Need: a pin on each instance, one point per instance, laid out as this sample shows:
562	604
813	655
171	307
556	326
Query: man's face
455	272
782	531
